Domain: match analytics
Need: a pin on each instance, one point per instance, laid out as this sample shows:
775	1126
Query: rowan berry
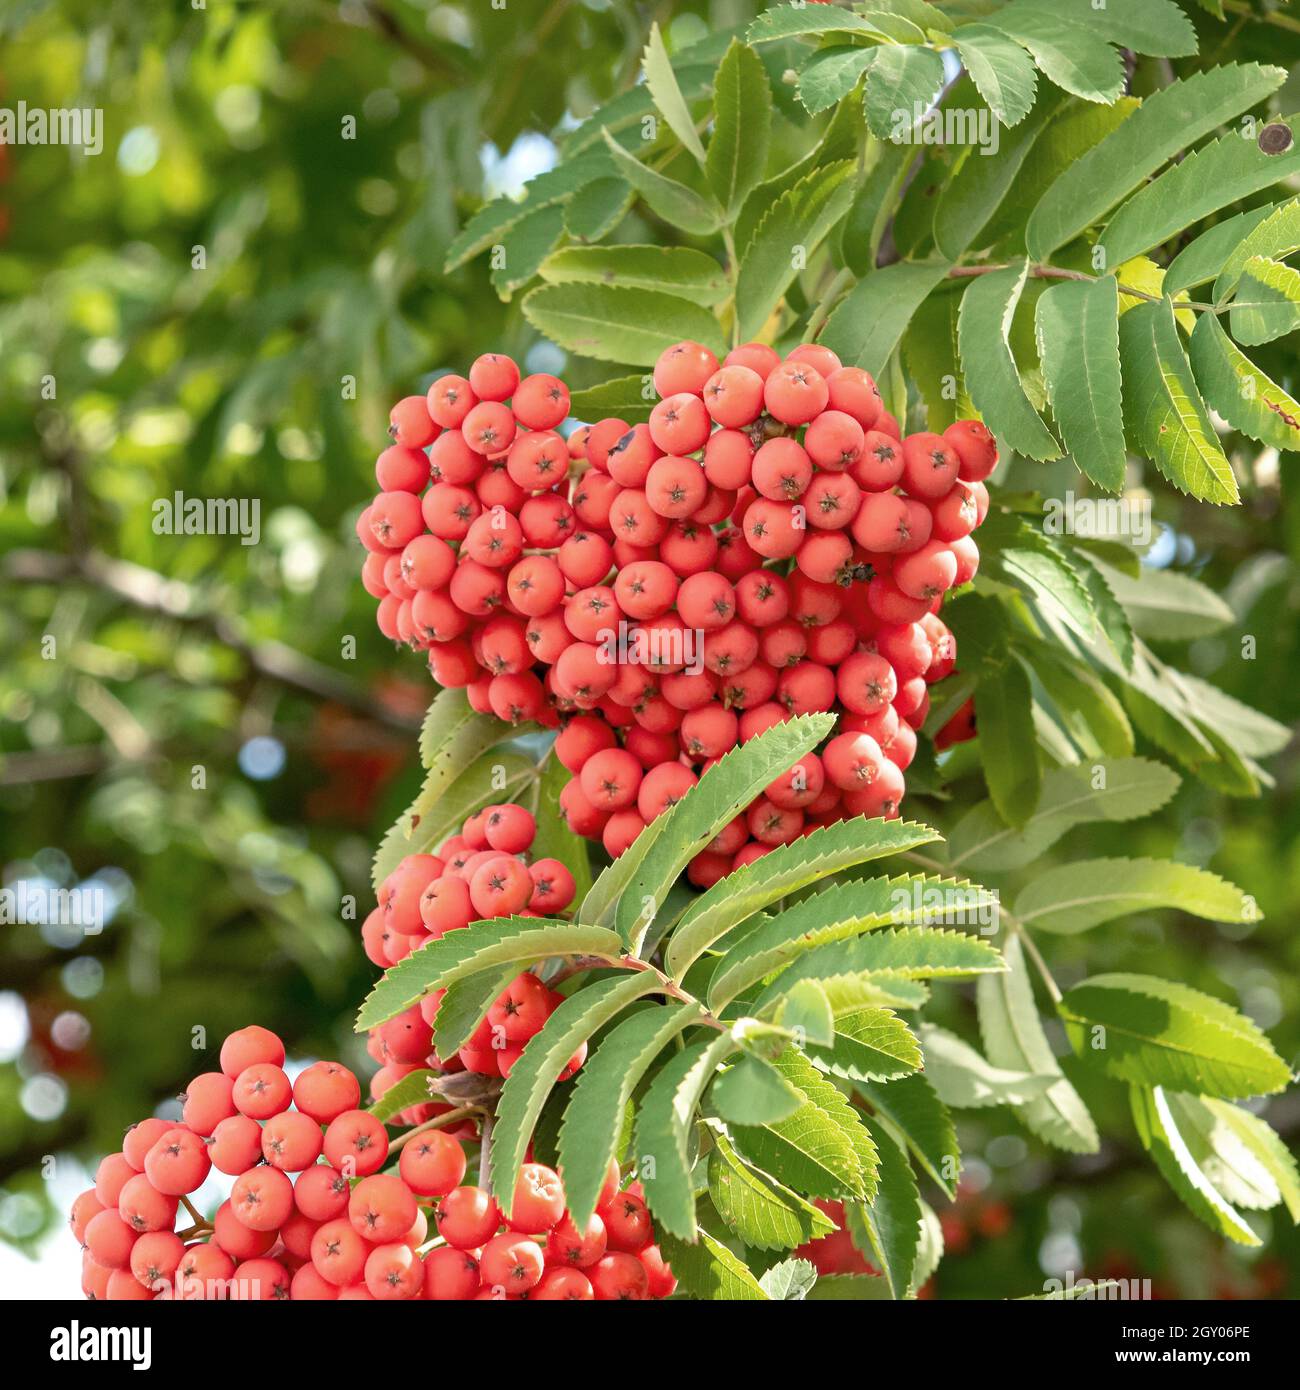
662	788
866	682
583	672
690	547
881	797
798	786
449	511
733	396
204	1272
633	519
853	391
975	447
829	644
815	355
453	462
489	428
675	487
629	459
124	1287
493	377
511	1262
621	830
402	469
806	688
601	438
321	1192
338	1252
967	555
684	367
410	424
496	488
585	558
680	424
891	605
741	690
356	1144
500	887
731	649
308	1285
728	459
619	1276
826	557
396	518
795	393
928	572
520	1010
663	1283
540	402
580	814
772	529
144	1208
610	779
708	732
758	357
758	719
449	400
782	470
467	1218
236	1145
547	636
178	1162
156	1257
834	440
560	1283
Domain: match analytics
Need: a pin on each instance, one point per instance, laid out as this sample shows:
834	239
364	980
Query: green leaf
675	270
752	1092
806	1012
1073	897
742	122
1157	1033
661	81
1238	1152
464	1006
1169	606
524	247
479	946
992	377
1164	415
789	1281
490	224
1155	27
1272	231
618	325
554	839
1169	120
850	1288
629	398
1073	55
969	200
1271	304
1234	387
1209	254
1113	789
708	1270
1034	562
902	83
1232	168
822	1148
966	1081
761	1211
534	1075
441	809
870	1045
799	21
639	880
800	219
933	365
601	1092
787	868
1157	1127
913	953
830	75
1252	732
892	1223
593	212
1009	759
869	322
674	202
663	1124
914	1113
1001	70
1013	1037
1085	706
1077	323
412	1089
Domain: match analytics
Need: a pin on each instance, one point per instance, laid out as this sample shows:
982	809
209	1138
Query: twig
462	1112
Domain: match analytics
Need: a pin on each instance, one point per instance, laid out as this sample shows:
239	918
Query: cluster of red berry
340	1228
247	1121
481	873
765	545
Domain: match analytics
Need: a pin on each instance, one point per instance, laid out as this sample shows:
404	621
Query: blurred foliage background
210	737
